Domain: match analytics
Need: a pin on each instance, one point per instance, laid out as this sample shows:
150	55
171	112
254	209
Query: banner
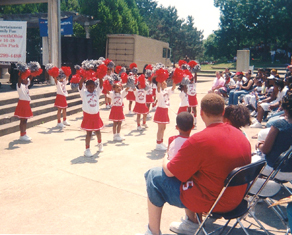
66	26
13	41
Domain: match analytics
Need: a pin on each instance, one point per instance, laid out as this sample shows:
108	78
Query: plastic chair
239	176
269	187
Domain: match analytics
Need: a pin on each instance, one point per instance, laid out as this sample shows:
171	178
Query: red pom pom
177	76
93	78
37	73
124	77
142	81
133	65
101	71
118	69
192	63
54	72
181	62
106	85
66	70
81	72
107	61
75	78
162	75
149	66
25	74
188	73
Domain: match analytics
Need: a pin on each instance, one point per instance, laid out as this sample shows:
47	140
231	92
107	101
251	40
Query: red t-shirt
203	163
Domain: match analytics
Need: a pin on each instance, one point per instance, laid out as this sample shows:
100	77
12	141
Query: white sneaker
149	115
66	123
87	153
139	128
25	138
60	125
115	137
130	112
148	232
185	227
161	147
108	106
100	147
154	108
256	125
145	125
119	137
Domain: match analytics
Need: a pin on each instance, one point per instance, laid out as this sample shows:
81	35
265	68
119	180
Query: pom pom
22	67
124	77
24	75
177	75
81	72
115	78
196	69
61	75
181	62
75	78
101	71
133	65
185	81
130	82
162	75
106	62
48	67
118	69
66	70
77	67
106	85
142	81
37	73
192	63
149	66
54	72
33	66
188	74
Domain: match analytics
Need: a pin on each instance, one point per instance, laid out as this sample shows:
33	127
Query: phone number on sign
2	55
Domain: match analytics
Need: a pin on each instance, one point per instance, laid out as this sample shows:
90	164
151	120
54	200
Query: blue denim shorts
162	189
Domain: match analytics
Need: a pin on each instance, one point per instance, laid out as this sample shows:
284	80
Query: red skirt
117	114
140	108
149	99
182	109
91	122
23	109
161	115
154	91
192	100
61	102
130	96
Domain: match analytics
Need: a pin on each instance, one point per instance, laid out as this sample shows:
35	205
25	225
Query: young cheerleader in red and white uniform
161	114
131	96
116	113
184	101
140	105
23	109
149	92
91	118
192	96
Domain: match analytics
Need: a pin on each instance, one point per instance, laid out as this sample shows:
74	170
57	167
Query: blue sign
66	26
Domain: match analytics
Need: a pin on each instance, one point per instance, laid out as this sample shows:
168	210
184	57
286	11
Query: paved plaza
49	187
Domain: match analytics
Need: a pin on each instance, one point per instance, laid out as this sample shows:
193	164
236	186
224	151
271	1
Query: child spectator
184	125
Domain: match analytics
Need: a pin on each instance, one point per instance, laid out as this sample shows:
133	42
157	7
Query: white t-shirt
163	97
149	91
192	89
23	91
90	101
175	145
281	94
117	98
184	101
61	88
140	96
231	82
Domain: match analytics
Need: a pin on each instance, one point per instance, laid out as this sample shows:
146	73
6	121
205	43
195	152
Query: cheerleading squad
96	77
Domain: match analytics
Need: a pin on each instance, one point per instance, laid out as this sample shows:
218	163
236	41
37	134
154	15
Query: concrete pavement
49	187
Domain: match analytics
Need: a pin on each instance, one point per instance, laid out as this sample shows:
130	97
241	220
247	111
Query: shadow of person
52	130
13	144
83	159
155	154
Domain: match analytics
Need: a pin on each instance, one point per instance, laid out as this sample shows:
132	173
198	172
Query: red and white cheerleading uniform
130	96
154	88
62	93
192	94
184	102
90	106
117	113
149	96
161	113
23	109
140	105
174	144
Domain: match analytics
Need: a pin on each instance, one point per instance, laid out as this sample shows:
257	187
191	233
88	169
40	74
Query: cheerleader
91	119
140	105
131	96
116	113
23	109
192	97
161	114
184	102
60	101
149	92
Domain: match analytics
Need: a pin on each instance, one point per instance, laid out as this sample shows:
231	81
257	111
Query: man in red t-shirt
195	176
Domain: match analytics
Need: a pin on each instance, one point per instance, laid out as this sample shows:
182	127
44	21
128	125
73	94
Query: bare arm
164	166
249	84
195	78
81	83
266	146
100	83
158	87
173	86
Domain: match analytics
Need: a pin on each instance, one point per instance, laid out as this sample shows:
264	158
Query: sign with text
66	26
13	41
